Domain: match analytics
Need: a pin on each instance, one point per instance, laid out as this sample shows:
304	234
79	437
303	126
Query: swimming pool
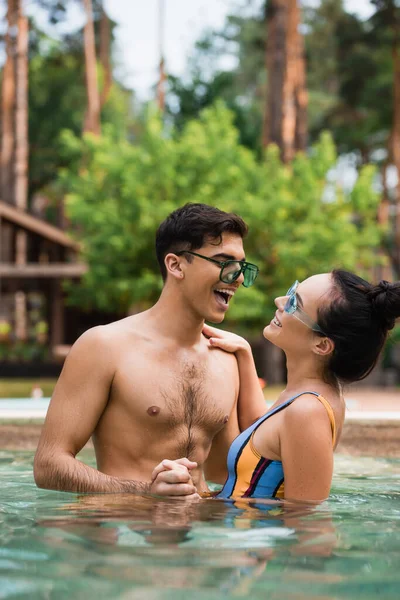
56	545
36	408
23	408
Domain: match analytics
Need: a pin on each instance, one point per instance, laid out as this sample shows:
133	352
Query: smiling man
150	386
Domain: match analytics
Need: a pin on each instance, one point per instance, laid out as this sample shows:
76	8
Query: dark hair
358	320
190	226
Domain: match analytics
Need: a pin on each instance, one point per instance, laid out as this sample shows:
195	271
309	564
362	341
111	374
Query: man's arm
79	399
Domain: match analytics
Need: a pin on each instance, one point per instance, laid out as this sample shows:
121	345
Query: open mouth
224	296
276	321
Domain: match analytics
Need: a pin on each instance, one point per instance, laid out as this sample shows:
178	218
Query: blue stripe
266	487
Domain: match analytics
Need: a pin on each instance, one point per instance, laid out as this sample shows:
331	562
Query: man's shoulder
111	335
228	359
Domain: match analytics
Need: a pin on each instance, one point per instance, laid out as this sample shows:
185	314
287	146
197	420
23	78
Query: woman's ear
324	346
173	265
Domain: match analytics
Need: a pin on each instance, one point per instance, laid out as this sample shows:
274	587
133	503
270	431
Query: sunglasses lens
250	275
230	272
291	304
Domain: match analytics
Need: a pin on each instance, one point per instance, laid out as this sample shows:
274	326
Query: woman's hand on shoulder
225	340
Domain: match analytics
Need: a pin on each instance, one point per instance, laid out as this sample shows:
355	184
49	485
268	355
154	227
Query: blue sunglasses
292	308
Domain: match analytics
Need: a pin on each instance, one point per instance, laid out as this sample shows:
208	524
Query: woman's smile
276	321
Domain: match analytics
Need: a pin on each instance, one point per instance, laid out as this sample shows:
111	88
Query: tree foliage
242	86
349	66
300	220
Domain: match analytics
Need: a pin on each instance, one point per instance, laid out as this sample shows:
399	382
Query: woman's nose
280	302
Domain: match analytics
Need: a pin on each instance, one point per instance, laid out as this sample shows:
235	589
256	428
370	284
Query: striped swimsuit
253	476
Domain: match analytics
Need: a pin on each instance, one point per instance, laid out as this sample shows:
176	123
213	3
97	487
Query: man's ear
173	265
324	346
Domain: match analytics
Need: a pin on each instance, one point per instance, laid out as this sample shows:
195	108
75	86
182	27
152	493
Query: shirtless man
149	385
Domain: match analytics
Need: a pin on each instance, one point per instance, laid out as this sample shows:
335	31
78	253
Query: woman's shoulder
307	404
315	413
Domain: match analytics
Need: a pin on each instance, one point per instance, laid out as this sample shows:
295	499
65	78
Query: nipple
226	419
153	411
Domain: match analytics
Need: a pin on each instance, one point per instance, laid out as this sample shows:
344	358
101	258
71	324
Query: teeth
229	292
276	322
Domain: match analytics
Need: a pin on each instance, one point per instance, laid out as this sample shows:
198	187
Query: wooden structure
51	256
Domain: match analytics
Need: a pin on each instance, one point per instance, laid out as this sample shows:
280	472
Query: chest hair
191	405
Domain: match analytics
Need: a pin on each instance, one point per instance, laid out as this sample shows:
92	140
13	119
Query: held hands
225	340
172	478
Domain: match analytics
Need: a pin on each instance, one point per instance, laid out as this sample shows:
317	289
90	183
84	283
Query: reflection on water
57	545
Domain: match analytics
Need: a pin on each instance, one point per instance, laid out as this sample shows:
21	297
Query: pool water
55	545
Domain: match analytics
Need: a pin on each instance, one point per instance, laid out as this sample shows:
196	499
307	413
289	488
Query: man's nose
240	279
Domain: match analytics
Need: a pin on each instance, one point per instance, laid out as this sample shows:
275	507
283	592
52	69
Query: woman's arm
306	450
251	402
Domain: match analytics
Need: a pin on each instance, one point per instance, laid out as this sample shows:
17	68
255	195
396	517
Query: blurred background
114	113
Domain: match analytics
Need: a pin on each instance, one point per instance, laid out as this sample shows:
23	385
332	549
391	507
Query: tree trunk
104	55
8	109
396	140
383	208
300	90
92	118
161	80
21	115
285	123
275	65
21	159
384	269
161	88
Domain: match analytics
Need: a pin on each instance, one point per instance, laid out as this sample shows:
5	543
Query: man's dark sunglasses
230	269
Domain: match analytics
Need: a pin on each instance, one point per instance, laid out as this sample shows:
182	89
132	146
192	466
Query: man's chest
177	393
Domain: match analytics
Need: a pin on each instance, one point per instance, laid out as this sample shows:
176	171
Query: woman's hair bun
385	299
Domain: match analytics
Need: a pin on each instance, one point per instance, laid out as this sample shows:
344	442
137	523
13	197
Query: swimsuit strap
331	416
292	399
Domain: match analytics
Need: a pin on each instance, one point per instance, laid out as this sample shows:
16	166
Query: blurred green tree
57	101
300	220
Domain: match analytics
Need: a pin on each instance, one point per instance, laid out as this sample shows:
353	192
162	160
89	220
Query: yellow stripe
245	469
331	417
281	491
